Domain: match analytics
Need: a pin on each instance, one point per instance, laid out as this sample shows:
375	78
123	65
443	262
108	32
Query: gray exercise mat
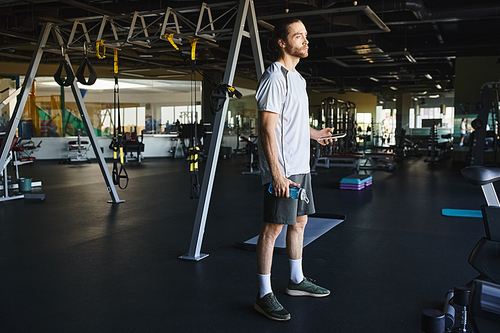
315	228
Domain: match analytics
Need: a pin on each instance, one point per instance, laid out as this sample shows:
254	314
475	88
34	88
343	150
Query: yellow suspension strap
117	143
193	48
193	172
98	45
170	38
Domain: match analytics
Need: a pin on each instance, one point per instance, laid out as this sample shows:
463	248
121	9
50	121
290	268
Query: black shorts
285	210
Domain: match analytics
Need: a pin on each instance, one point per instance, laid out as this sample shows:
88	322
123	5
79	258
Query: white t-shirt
284	92
463	128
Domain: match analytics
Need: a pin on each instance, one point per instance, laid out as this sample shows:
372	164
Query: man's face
296	44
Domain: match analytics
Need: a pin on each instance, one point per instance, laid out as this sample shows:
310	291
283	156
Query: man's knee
301	222
271	229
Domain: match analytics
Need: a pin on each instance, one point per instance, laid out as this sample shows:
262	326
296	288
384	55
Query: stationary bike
481	297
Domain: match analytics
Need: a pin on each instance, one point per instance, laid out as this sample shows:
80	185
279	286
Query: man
463	131
284	151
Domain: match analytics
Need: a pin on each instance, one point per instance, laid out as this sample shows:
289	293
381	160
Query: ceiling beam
93	9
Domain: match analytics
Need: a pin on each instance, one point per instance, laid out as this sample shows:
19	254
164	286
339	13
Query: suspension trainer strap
193	48
80	73
118	139
98	44
70	77
193	172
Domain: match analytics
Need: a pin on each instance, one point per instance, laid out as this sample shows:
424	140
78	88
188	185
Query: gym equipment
317	225
355	182
449	310
461	213
438	150
25	90
377	161
133	144
245	13
461	299
64	65
478	136
80	73
485	258
117	141
341	116
6	185
484	313
78	149
252	148
432	321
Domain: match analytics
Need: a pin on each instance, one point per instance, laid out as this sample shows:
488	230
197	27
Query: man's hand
281	186
325	132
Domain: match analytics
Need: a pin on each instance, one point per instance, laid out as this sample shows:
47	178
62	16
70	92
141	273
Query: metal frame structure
246	14
25	90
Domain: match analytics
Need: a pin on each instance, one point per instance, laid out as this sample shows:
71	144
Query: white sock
296	274
265	284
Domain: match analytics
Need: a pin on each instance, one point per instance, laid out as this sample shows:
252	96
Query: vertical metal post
26	87
255	40
90	131
213	154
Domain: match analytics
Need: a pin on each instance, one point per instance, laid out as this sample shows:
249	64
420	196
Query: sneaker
271	308
306	288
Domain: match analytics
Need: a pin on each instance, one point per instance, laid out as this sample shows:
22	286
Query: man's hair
280	32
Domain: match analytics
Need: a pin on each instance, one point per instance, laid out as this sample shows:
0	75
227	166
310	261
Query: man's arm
267	124
316	134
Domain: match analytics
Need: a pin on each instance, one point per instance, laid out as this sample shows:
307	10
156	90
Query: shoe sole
292	292
259	309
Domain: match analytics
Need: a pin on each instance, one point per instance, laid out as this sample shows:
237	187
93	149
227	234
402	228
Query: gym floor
75	263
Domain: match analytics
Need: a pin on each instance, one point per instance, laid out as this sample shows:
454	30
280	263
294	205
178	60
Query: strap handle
70	77
80	73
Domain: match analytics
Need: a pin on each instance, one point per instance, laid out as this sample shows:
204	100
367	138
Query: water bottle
294	192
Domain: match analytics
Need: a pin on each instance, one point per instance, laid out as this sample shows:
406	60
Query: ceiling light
438	86
326	80
393	88
381	102
373	78
103	84
433	96
410	57
427	75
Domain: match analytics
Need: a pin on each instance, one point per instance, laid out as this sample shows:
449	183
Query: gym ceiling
378	46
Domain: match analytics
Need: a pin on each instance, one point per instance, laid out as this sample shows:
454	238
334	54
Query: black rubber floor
76	263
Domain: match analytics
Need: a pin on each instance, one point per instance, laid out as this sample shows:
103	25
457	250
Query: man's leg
265	249
266	302
300	285
295	244
295	238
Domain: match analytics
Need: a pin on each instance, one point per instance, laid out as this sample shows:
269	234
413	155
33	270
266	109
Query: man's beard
297	52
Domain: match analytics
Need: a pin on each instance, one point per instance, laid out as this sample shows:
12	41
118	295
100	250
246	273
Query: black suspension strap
194	149
117	142
63	64
80	73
